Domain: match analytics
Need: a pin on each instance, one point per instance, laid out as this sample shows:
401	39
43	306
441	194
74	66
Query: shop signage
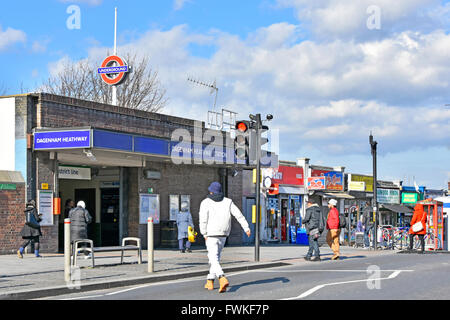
333	180
368	180
113	70
409	197
62	139
74	173
288	175
8	186
388	196
316	183
356	186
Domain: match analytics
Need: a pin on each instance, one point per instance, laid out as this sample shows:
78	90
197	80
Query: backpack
342	221
31	219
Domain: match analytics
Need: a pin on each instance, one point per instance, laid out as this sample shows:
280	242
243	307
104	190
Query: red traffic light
241	126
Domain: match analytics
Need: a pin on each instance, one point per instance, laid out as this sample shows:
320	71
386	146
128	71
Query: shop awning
397	208
338	195
291	190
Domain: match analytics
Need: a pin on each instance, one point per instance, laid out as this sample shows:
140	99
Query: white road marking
316	288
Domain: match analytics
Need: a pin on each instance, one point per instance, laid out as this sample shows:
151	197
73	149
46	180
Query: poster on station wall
148	208
45	207
174	206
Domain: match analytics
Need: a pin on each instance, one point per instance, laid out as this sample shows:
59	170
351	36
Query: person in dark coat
367	222
184	220
70	204
79	219
314	223
31	231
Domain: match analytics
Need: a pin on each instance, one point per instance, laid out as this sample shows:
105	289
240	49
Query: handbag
418	226
192	234
31	220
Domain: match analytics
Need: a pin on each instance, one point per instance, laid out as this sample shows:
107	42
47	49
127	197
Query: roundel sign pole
113	70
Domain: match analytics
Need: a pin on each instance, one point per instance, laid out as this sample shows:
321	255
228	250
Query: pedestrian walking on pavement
215	226
31	231
419	216
70	204
333	229
184	220
315	225
367	222
79	220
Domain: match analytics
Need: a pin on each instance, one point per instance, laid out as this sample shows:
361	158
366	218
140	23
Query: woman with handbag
418	227
184	220
31	231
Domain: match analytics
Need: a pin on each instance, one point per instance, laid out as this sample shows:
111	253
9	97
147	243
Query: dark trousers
313	246
34	242
181	244
422	241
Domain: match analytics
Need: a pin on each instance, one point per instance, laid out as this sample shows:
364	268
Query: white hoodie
215	217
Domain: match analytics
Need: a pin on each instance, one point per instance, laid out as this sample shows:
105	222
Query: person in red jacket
419	216
333	229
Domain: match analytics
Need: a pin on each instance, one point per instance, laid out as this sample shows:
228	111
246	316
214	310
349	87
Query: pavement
33	278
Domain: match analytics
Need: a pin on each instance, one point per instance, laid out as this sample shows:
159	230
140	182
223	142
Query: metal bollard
150	245
67	252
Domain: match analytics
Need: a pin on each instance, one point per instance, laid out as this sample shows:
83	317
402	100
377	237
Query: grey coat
79	219
184	220
314	219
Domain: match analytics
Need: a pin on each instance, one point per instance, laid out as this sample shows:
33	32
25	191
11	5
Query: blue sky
327	76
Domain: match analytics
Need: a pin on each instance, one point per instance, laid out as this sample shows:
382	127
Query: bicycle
400	237
429	241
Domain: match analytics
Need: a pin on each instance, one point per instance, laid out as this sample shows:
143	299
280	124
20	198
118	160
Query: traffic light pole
258	184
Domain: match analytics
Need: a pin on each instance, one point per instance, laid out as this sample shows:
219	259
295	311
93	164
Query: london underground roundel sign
113	70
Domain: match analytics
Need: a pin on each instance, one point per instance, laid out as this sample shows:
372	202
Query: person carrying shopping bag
184	221
418	227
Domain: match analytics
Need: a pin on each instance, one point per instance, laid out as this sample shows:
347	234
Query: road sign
113	70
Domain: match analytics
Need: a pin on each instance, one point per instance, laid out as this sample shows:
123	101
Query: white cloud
331	19
10	37
179	4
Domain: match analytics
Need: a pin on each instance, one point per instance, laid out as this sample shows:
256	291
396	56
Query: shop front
283	213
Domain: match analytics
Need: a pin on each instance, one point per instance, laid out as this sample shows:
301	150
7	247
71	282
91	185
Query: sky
329	71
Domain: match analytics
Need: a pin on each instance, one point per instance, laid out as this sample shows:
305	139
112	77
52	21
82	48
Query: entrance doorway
110	216
88	196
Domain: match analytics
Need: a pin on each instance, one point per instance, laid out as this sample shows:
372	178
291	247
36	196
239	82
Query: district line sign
113	70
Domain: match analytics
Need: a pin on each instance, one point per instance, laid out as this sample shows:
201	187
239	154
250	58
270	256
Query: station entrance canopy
76	144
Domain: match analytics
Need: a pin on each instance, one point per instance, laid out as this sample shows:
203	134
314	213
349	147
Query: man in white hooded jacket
215	226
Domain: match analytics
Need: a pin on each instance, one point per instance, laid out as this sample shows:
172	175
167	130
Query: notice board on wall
149	208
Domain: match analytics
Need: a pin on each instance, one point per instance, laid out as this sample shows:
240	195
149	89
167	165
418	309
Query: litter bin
302	237
169	234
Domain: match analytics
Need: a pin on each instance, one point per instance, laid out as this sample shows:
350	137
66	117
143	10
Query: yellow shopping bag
192	234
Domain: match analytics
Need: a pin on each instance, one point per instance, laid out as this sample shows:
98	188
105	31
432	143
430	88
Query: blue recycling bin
302	237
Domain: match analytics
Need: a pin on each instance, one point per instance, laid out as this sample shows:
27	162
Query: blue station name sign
62	139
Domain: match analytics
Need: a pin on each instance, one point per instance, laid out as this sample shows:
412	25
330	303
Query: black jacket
27	231
79	219
314	219
367	217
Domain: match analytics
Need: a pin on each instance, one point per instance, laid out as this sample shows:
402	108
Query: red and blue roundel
113	70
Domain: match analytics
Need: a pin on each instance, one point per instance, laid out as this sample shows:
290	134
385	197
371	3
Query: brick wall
12	218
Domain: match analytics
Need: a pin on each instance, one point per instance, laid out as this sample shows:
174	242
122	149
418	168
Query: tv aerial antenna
212	86
223	120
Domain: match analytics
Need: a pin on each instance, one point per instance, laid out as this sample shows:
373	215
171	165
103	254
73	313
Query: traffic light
241	141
